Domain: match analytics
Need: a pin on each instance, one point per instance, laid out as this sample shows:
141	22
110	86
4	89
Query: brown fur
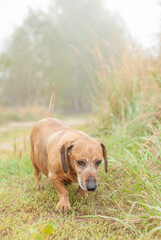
55	147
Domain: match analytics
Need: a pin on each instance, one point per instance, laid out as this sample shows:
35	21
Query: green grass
14	134
126	205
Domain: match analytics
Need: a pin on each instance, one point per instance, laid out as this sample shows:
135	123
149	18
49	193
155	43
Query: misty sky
141	17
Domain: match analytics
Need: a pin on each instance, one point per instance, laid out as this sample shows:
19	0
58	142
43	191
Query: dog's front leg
63	194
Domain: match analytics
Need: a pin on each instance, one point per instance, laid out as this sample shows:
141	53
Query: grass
126	85
7	136
127	204
30	113
22	114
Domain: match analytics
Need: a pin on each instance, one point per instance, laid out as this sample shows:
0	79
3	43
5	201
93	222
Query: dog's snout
91	184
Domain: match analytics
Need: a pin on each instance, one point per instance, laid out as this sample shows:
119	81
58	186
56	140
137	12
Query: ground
126	204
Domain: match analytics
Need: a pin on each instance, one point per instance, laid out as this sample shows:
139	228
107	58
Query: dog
65	155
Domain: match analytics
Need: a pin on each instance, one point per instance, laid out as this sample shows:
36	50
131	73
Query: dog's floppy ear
65	152
104	150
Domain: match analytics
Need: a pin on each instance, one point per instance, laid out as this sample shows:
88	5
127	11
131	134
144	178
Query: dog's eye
98	163
81	163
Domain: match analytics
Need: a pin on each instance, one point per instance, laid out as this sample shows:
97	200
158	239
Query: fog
60	44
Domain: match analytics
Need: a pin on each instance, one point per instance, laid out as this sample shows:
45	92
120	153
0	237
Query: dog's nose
91	184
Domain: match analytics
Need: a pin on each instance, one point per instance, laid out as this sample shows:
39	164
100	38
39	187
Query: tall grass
127	101
127	85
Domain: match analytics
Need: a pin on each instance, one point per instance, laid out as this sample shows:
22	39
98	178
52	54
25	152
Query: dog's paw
63	205
82	193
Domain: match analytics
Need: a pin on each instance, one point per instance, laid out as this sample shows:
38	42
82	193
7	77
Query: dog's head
84	156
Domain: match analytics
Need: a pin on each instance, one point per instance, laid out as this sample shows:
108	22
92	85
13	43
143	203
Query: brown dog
65	155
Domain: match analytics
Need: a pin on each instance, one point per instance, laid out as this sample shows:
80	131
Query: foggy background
57	42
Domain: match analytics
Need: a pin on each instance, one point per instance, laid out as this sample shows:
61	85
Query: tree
53	47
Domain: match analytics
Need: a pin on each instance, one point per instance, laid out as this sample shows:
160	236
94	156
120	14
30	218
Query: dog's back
39	138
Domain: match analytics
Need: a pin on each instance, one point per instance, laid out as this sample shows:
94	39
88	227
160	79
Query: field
127	118
126	205
108	84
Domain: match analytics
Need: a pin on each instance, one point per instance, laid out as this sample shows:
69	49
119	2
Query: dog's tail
51	105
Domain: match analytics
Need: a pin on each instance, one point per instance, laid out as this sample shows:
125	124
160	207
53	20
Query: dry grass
126	86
